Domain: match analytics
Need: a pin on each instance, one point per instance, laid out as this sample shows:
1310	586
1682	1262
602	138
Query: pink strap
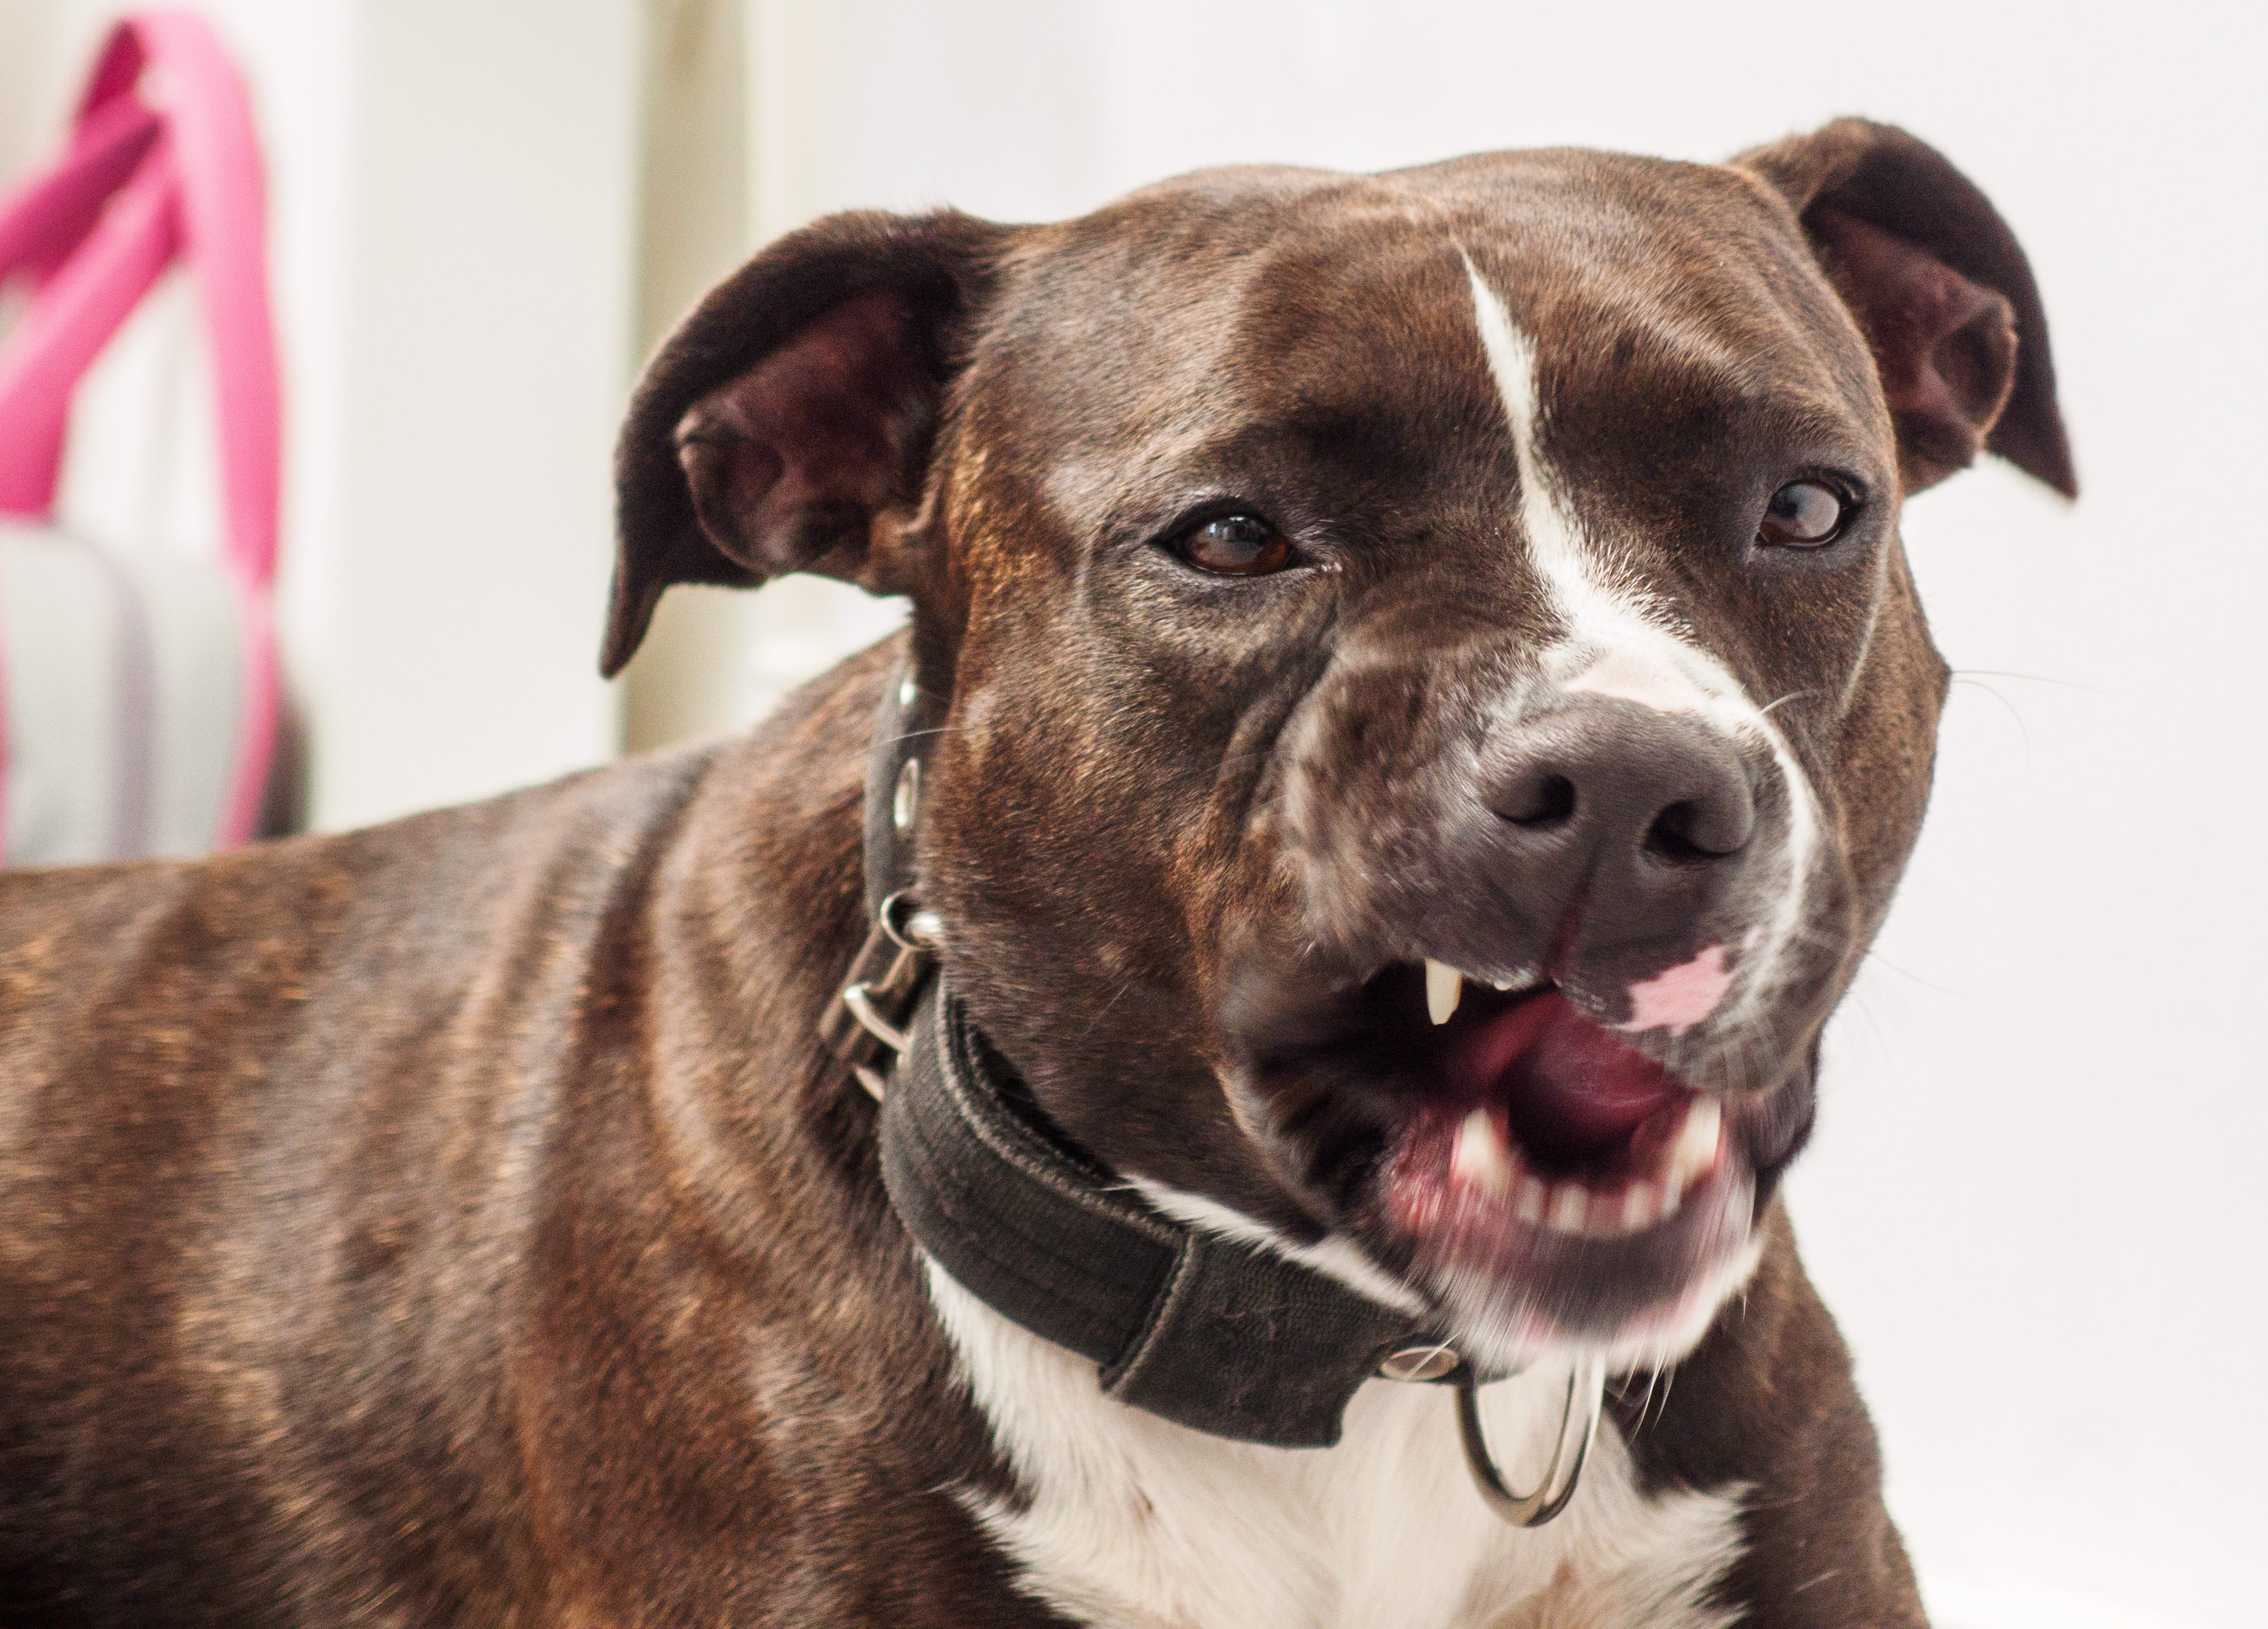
76	312
46	219
165	104
162	162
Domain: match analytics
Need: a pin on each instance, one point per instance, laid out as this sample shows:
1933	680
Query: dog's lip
1601	1248
1565	1261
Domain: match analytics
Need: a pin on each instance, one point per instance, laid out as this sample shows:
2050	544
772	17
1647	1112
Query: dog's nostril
1697	829
1538	800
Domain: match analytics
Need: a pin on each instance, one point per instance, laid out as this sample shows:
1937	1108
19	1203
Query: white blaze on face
1619	639
1640	676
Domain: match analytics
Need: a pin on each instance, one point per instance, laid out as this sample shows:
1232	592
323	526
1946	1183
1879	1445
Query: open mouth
1550	1121
1536	1171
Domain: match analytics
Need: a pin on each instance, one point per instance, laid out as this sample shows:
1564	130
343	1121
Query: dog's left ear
793	407
1937	283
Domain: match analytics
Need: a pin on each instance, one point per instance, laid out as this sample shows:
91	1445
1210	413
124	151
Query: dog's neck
1223	1334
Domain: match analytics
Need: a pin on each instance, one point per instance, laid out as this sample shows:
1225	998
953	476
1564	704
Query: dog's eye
1803	514
1236	546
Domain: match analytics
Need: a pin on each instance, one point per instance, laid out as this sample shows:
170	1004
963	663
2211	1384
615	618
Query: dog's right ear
796	403
1942	292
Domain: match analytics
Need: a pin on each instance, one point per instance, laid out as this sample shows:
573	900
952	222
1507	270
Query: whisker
1765	711
2023	729
1866	1011
2033	678
1104	1011
1880	960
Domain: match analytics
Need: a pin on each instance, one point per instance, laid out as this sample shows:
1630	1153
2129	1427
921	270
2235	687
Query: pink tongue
1570	1088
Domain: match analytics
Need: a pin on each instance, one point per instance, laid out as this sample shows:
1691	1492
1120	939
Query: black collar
1204	1330
1207	1330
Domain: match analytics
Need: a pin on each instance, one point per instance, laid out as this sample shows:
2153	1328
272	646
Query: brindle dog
1437	711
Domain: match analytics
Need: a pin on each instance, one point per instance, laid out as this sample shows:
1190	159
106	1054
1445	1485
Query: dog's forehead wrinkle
1367	649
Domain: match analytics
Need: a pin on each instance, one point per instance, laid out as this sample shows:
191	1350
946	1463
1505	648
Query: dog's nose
1618	805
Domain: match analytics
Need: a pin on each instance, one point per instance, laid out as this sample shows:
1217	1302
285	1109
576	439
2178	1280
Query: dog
1414	708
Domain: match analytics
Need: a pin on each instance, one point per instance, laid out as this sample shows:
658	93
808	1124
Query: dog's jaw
1496	1335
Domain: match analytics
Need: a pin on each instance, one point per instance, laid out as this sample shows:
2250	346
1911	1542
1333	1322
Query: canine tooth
1445	987
1697	1143
1569	1204
1481	1157
1696	1149
1530	1203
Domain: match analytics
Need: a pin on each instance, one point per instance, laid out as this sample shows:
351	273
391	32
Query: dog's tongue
1570	1088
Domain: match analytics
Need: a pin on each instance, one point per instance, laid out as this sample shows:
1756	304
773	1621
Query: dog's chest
1130	1521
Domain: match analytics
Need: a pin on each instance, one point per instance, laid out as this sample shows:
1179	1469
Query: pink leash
162	164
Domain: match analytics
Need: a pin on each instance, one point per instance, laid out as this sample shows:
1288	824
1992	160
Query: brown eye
1236	546
1803	514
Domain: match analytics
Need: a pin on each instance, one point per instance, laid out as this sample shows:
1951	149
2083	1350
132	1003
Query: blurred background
2035	1201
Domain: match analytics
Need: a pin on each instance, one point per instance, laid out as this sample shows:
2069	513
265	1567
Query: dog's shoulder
402	1115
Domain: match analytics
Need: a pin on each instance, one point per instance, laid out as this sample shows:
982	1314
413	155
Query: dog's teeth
1641	1203
1533	1197
1445	987
1695	1153
1672	1195
1482	1159
1570	1207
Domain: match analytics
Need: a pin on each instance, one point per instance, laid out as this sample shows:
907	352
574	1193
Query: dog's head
1438	704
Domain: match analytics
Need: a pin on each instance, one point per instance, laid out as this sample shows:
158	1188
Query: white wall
489	340
452	243
2034	1201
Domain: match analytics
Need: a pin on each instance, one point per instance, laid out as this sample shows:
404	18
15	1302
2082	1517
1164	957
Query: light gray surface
124	688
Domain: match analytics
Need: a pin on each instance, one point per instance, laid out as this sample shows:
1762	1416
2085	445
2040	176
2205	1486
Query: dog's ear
1941	290
794	405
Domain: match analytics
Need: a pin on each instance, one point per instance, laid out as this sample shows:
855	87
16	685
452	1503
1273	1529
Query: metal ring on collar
909	926
1586	1387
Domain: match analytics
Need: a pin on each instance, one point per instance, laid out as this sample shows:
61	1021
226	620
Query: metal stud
1431	1362
905	803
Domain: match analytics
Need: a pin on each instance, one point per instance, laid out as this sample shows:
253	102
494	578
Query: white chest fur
1132	1521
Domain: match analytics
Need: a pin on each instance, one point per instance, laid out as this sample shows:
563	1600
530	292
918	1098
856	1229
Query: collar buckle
869	1014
